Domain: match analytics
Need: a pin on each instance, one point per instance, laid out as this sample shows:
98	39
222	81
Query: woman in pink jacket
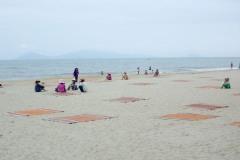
61	86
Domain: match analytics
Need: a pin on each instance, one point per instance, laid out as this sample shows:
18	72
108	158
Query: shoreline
114	74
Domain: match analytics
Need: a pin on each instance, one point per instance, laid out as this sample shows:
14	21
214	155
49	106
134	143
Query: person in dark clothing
39	87
73	85
75	74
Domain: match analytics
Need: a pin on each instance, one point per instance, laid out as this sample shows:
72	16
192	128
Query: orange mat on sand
216	79
206	106
63	94
237	94
236	123
181	80
126	99
188	116
79	118
143	84
205	77
34	112
214	87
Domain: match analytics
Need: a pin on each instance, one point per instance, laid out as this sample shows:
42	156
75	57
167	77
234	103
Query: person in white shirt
82	85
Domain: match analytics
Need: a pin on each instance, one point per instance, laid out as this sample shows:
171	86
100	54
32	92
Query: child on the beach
156	73
138	70
146	72
226	84
82	85
39	87
109	77
61	86
73	85
125	76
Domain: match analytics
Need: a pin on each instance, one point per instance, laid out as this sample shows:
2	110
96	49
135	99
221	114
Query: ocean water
33	69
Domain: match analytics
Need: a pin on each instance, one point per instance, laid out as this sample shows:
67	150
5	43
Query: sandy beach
137	130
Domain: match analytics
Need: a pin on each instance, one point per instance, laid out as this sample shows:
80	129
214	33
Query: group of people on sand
109	76
61	87
155	74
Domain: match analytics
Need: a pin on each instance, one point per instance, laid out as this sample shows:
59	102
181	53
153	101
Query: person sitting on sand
156	73
109	77
146	72
82	85
125	76
226	84
61	86
39	87
73	85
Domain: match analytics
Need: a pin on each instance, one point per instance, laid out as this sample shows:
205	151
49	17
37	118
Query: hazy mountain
83	54
29	56
95	54
88	54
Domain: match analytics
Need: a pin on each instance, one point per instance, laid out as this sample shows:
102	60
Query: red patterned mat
33	112
236	123
79	118
206	106
210	87
217	79
143	84
126	99
182	80
237	94
188	116
57	94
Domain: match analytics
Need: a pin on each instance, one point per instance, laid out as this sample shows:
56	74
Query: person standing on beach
150	68
231	65
75	74
156	73
146	72
138	70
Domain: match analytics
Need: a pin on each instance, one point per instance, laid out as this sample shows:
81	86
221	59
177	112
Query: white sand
134	134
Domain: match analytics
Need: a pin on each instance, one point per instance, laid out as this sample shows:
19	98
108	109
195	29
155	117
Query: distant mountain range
83	54
29	56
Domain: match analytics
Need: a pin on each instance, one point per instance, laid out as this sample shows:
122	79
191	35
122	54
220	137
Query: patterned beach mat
209	87
188	116
126	99
237	94
205	77
206	106
58	94
143	84
33	112
79	118
236	123
216	79
182	80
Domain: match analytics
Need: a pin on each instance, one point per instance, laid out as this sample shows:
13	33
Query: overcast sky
162	28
